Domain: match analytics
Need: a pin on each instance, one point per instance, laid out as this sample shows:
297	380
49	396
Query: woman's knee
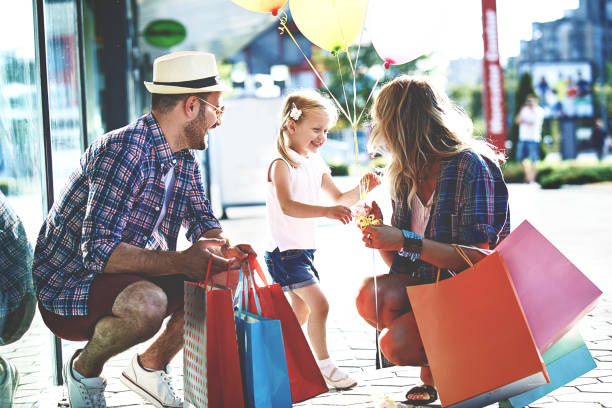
365	298
401	343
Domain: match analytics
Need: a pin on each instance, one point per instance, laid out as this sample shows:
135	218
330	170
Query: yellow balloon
331	24
262	6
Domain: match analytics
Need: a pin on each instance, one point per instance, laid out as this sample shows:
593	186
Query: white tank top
304	186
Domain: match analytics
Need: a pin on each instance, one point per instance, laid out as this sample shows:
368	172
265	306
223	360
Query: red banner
493	95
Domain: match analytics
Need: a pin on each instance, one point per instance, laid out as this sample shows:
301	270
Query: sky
514	17
461	25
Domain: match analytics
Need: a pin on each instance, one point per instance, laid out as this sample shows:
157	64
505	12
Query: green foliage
469	97
525	88
340	80
339	169
513	172
551	176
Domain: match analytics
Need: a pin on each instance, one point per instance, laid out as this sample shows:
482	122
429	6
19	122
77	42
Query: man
598	139
530	120
105	265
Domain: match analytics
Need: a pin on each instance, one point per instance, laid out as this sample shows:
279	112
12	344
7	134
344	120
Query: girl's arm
279	175
387	238
350	197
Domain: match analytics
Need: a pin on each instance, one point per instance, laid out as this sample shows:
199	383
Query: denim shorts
293	268
527	149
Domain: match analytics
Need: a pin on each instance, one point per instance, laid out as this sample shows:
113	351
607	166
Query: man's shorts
292	269
527	149
104	290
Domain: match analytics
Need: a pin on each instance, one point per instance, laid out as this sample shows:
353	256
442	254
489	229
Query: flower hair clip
295	113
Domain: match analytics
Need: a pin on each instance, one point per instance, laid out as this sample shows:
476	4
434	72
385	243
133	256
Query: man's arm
191	262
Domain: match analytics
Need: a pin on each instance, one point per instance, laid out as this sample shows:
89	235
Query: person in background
529	121
598	138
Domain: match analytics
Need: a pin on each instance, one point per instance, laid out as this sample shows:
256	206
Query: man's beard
193	132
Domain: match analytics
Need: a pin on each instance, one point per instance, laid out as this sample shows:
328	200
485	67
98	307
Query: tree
525	88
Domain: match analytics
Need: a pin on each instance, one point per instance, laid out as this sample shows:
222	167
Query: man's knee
144	303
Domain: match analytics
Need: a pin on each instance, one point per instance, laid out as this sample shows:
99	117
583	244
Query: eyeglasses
218	109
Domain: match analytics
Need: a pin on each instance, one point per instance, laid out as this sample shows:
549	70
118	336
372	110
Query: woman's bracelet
413	243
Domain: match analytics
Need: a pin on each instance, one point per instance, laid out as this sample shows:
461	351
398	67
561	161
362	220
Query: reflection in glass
17	298
64	91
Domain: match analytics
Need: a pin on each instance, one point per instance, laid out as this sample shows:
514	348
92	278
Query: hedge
555	175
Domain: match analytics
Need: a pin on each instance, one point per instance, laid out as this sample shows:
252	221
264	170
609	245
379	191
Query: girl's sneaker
336	378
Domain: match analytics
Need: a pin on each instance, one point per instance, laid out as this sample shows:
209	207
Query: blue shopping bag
568	359
262	353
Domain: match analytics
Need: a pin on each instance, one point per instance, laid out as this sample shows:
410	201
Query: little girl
295	180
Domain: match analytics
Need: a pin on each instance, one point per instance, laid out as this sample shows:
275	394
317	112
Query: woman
446	187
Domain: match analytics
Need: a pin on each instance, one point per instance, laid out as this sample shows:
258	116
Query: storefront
68	73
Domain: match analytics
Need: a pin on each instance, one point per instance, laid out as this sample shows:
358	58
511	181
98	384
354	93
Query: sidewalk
576	219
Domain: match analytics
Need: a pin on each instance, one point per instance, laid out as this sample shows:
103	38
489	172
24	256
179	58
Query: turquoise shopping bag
566	360
262	353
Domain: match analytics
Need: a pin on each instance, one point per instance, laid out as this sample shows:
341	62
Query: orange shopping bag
476	338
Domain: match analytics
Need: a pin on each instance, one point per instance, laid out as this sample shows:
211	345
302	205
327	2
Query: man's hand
194	260
241	252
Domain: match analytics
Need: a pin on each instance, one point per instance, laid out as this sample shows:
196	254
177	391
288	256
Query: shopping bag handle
207	272
255	266
242	291
463	255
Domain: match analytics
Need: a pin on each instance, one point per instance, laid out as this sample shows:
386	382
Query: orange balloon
262	6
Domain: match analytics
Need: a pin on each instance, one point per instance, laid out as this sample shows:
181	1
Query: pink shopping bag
554	294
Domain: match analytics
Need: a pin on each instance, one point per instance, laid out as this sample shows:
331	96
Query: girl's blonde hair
307	101
418	125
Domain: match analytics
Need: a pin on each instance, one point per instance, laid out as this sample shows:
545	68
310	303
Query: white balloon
402	30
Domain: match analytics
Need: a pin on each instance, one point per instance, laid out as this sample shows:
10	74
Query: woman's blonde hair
307	101
418	125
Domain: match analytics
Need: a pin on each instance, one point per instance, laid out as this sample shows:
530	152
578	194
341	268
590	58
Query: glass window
23	338
64	89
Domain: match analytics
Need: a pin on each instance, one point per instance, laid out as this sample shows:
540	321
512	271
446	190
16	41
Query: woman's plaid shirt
470	207
115	195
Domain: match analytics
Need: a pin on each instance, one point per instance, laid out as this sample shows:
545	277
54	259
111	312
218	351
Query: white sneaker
338	379
154	386
85	393
9	380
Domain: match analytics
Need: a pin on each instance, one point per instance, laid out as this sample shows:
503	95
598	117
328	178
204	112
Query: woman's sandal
421	389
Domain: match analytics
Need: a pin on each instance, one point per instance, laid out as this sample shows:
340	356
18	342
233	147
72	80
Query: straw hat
185	72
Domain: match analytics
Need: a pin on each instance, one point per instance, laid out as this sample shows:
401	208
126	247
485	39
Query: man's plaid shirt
470	207
115	195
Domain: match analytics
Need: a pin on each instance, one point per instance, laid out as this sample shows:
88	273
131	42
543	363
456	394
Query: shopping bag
554	294
304	374
262	354
212	375
475	335
566	360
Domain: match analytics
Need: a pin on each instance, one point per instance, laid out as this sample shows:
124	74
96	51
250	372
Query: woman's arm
348	198
279	175
387	238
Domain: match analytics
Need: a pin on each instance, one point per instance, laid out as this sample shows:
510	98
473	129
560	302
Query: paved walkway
577	220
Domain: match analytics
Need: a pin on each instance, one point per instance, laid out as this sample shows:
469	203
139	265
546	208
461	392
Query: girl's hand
339	212
383	237
369	182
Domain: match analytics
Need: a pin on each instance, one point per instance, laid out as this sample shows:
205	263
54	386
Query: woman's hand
339	212
383	237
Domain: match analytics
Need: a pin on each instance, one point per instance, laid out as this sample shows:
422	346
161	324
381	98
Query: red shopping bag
211	361
476	338
304	374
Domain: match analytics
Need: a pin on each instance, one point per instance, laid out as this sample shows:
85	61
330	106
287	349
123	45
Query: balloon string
376	305
367	100
283	28
342	81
